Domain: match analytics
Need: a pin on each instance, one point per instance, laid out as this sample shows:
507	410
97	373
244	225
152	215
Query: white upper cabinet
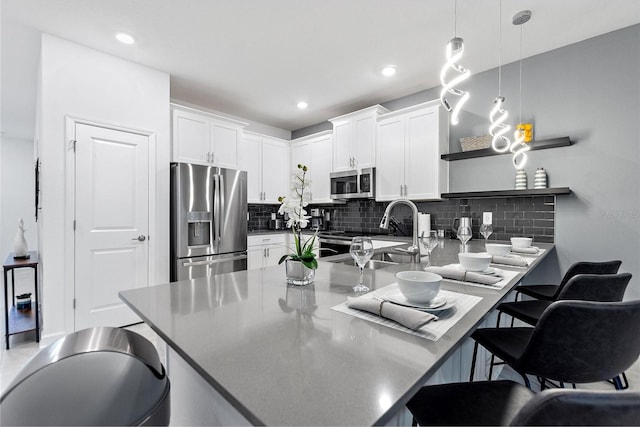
409	144
204	138
355	139
266	160
315	151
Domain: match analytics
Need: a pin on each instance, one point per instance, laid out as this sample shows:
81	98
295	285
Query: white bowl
521	242
498	248
474	261
418	286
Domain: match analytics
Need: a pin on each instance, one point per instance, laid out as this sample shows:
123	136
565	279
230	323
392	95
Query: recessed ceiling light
389	70
302	105
125	38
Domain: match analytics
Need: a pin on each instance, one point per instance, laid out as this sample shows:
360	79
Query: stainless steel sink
373	264
380	260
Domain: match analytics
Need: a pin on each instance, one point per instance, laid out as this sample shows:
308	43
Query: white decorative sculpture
20	247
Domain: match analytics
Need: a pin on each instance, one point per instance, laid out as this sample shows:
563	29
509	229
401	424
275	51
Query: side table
16	321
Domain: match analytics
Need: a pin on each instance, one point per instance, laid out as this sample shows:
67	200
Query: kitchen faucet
414	249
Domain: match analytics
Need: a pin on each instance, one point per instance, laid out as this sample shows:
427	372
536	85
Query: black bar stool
586	287
508	403
550	292
572	342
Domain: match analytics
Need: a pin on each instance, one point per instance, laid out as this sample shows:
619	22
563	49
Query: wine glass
486	230
429	242
361	251
464	234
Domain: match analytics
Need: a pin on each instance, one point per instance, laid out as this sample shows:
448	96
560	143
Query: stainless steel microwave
353	184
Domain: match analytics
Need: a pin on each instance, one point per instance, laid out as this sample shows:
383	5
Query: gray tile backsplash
512	216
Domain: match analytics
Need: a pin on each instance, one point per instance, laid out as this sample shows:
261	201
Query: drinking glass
464	234
429	242
361	251
486	230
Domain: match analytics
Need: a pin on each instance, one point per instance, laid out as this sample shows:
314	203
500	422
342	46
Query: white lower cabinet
408	147
265	250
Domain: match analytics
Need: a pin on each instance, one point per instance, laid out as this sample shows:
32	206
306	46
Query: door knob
140	238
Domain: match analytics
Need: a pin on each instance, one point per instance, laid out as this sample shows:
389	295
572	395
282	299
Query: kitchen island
244	348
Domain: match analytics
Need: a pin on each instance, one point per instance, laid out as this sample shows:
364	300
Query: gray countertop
281	356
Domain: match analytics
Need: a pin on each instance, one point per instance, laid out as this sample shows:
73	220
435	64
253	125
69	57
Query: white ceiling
257	58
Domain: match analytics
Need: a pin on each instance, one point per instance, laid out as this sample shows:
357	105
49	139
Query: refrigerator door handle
214	261
216	212
222	208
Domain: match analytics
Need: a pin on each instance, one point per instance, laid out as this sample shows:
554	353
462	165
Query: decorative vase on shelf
521	180
298	274
540	179
20	247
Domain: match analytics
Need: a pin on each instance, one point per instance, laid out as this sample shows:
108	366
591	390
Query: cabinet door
275	169
274	253
343	147
300	155
364	142
320	168
190	137
389	159
224	145
251	161
421	155
255	257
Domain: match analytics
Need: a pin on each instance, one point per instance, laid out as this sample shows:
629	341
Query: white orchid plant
294	205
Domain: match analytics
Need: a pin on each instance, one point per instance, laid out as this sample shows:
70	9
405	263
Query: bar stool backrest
583	341
580	408
585	267
596	287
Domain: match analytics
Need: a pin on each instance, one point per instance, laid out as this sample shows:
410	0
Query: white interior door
112	223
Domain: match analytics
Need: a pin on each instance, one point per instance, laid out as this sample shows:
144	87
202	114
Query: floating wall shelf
508	193
535	145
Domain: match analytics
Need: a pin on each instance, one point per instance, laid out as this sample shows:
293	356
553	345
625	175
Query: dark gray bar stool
573	342
550	292
97	376
509	403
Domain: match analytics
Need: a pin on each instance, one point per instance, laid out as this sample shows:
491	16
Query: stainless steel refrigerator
208	221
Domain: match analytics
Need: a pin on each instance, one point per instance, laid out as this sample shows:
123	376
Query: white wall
84	83
17	201
17	184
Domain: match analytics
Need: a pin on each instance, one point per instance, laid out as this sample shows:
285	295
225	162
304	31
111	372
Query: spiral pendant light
518	147
453	53
498	114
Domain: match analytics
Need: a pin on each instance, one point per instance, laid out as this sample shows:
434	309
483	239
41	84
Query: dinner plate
439	303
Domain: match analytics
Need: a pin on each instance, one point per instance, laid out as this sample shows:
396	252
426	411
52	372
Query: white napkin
464	276
530	250
408	317
518	262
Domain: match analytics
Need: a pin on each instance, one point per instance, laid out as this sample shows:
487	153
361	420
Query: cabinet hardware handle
215	261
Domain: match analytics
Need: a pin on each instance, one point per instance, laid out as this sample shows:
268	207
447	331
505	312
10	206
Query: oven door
336	246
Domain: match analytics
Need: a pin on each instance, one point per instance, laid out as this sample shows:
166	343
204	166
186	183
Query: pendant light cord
520	89
500	50
455	18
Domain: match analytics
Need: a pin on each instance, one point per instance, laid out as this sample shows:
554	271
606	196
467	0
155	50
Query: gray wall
589	91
